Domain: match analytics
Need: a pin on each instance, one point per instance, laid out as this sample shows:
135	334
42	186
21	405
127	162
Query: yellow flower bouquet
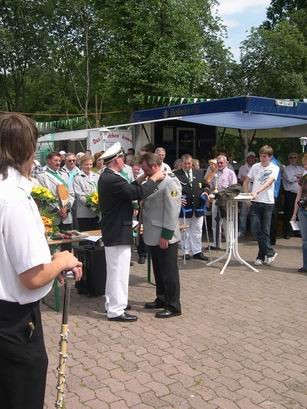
42	196
92	201
49	221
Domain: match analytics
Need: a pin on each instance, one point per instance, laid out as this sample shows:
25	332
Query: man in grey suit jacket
161	234
51	178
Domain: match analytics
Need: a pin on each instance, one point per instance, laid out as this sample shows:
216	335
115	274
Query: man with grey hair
225	178
193	208
70	166
161	152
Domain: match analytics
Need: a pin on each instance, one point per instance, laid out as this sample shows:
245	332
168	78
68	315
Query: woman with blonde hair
211	171
85	184
98	165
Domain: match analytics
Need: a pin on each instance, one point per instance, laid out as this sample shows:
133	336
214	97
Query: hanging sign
97	142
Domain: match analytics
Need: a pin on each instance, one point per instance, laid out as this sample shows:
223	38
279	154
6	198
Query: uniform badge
174	193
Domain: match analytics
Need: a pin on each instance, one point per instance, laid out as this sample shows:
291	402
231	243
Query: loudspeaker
93	258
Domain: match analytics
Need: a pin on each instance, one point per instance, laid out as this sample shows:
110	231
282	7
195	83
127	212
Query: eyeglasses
220	163
292	157
71	160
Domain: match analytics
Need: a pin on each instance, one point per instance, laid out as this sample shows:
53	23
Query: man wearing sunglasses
71	167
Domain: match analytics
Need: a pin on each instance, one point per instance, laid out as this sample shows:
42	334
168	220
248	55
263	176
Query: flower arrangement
49	221
92	201
42	196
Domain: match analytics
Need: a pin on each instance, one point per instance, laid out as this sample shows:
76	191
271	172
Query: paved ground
240	343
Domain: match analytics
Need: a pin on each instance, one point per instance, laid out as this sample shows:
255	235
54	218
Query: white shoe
258	262
269	260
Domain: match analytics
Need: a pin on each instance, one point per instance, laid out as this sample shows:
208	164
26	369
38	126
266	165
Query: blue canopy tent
268	117
239	112
251	116
245	120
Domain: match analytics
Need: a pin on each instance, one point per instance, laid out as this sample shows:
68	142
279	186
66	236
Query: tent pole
246	143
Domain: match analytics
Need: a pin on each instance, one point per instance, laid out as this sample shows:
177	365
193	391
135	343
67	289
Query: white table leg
232	238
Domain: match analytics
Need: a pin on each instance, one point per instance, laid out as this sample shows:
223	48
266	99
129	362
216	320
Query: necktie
190	177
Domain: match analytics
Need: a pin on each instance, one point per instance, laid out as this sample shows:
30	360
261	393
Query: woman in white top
84	184
27	270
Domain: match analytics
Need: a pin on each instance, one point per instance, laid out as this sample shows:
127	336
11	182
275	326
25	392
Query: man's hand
163	243
63	212
183	202
158	176
70	262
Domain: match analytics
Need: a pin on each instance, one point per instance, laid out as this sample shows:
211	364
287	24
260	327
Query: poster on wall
97	144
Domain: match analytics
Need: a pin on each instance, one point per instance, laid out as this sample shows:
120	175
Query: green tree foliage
95	55
23	44
78	50
160	47
274	62
282	9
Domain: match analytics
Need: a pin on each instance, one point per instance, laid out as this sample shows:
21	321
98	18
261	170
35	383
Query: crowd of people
142	187
80	174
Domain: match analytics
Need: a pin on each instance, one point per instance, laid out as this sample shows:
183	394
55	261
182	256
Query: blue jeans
260	217
302	217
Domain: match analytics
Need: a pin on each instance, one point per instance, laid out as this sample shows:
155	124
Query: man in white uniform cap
115	200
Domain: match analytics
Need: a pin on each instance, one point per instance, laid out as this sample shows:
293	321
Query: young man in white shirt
263	175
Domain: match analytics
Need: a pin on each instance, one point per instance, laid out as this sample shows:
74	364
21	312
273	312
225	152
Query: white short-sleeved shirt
22	240
259	174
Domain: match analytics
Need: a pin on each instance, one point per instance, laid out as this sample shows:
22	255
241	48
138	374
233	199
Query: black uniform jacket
115	202
195	203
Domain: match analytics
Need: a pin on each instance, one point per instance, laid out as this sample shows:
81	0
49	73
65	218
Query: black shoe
200	256
155	304
128	308
302	270
167	313
141	260
125	317
131	263
215	248
187	257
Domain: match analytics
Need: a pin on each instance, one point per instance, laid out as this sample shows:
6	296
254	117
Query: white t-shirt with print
259	174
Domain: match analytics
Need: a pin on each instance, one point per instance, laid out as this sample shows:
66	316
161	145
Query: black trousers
166	274
273	229
23	357
88	223
289	204
142	247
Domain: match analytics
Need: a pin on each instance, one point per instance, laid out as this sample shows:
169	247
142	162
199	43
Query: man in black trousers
115	200
161	234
